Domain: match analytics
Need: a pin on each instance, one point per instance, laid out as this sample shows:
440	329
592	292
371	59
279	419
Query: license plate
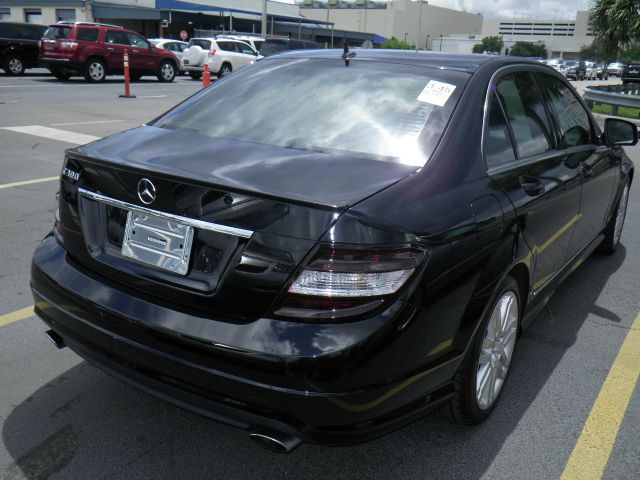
153	240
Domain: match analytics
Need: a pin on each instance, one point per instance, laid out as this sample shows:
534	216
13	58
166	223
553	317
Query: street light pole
264	18
440	42
427	45
405	36
419	28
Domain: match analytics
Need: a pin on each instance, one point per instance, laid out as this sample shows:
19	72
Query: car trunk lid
255	213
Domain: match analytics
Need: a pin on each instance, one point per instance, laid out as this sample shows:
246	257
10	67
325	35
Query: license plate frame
157	241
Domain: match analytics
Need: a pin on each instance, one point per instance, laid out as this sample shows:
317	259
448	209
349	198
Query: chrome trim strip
213	227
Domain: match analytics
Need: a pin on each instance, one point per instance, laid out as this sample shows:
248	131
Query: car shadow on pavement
85	424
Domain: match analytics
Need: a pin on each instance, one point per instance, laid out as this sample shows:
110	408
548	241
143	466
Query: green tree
528	49
616	24
592	52
490	45
478	48
396	44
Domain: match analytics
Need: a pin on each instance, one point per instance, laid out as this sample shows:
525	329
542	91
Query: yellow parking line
28	182
594	447
21	314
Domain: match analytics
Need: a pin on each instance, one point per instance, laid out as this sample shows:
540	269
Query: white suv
222	55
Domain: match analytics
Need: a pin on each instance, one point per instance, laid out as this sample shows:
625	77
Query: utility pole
419	29
263	29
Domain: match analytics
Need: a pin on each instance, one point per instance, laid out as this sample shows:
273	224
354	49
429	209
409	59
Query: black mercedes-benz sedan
322	247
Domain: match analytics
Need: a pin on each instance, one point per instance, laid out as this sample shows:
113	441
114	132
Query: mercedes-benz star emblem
146	191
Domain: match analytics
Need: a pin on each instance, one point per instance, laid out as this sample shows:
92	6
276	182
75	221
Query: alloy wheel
96	71
497	349
167	71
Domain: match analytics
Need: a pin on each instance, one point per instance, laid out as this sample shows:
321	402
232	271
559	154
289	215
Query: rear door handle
531	185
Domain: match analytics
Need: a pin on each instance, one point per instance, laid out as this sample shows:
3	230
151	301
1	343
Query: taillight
68	45
212	52
342	281
41	45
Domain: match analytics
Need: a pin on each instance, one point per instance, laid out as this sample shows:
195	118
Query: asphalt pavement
61	418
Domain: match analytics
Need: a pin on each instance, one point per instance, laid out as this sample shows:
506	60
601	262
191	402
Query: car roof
453	61
165	40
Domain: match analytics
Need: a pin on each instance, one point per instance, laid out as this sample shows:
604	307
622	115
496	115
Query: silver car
615	68
175	46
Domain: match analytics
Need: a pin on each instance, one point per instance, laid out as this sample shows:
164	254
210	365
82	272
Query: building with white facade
415	21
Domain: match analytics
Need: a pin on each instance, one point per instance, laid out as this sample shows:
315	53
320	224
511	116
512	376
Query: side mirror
620	132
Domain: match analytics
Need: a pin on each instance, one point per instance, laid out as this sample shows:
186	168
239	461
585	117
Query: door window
116	36
498	149
5	15
88	34
573	119
526	114
137	40
227	46
246	49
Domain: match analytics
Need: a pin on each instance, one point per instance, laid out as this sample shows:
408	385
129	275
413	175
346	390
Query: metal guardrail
615	95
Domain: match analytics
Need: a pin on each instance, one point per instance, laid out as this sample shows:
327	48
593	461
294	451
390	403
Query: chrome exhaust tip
56	339
275	441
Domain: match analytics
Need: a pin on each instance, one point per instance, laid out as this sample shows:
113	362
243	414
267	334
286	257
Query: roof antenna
347	55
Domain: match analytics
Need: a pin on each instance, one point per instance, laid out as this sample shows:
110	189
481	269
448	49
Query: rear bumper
244	389
65	63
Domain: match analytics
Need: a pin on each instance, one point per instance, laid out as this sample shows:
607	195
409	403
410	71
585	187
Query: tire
166	71
472	404
61	74
13	65
225	69
613	230
95	70
195	75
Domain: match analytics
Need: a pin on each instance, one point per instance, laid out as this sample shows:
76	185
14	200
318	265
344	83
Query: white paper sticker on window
436	93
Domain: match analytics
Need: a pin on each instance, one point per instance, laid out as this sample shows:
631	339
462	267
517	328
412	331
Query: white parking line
54	134
151	96
85	123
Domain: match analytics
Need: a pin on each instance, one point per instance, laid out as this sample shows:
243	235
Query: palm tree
615	23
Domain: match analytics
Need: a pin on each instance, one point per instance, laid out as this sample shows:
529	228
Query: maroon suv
96	50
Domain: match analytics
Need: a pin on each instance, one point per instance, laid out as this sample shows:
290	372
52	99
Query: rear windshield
57	32
382	111
203	44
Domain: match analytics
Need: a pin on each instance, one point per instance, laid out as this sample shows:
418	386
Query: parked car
558	65
222	56
630	73
272	46
326	271
591	72
602	72
576	70
174	46
96	50
254	40
19	46
615	68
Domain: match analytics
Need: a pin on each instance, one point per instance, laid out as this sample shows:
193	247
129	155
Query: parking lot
63	418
